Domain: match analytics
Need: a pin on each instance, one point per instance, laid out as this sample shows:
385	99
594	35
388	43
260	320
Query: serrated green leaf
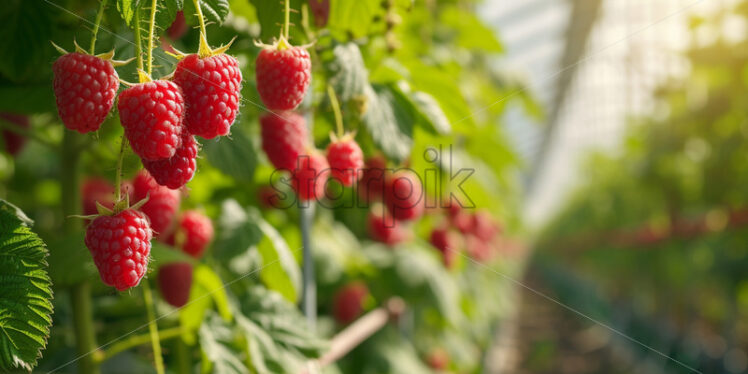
238	233
217	343
25	286
280	271
271	14
127	10
213	10
348	74
389	123
207	290
234	156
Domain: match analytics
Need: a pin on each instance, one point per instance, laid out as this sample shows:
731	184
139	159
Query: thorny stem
138	42
200	18
286	21
153	327
336	110
97	23
151	34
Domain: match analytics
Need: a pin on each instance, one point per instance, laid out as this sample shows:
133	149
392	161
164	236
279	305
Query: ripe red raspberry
174	281
349	302
176	171
193	233
178	27
310	176
385	229
151	114
268	197
121	246
438	359
448	243
404	195
284	138
93	190
162	204
371	185
483	226
14	142
321	11
346	160
84	87
459	218
478	249
283	76
212	91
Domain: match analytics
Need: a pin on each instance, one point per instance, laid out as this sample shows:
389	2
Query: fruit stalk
80	294
286	21
309	287
336	111
153	327
151	34
200	18
138	42
97	25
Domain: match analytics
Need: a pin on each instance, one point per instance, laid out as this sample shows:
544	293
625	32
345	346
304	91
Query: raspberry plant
181	143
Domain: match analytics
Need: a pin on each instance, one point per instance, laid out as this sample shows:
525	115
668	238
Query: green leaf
469	31
207	290
280	271
389	122
234	156
430	111
162	254
216	342
166	12
26	30
127	10
213	10
353	17
271	14
238	233
348	74
25	286
70	261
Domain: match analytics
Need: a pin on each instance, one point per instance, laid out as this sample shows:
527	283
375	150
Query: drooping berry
174	281
162	204
151	114
284	138
371	185
283	75
212	92
14	142
121	246
349	302
448	243
193	233
404	195
385	229
176	171
84	87
346	160
310	176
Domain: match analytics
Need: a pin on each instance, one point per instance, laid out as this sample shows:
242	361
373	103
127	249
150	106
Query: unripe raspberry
212	92
283	76
162	204
151	114
349	302
176	171
404	195
121	247
346	160
193	233
84	87
284	138
174	281
310	176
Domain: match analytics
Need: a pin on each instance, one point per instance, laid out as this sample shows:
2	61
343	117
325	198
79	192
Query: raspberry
14	142
438	359
284	138
212	90
192	234
84	87
478	249
483	226
176	171
385	229
121	246
403	195
178	28
174	281
349	302
458	218
448	243
321	11
283	76
310	176
371	185
151	114
268	197
346	159
162	204
93	190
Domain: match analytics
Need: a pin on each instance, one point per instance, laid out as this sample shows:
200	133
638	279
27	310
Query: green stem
80	294
182	353
200	18
153	327
120	171
336	110
138	42
286	21
97	24
136	340
151	34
